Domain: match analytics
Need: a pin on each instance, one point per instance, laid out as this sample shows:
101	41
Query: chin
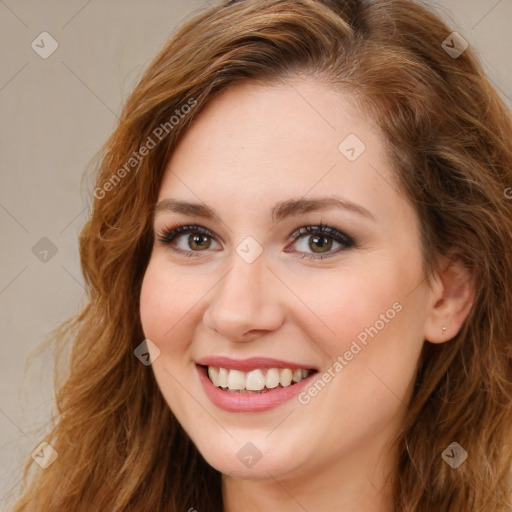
247	460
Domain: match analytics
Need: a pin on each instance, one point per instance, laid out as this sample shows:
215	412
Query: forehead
256	143
255	116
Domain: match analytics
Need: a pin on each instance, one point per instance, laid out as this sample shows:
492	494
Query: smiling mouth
257	381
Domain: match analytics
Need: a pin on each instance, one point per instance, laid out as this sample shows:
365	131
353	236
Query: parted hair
449	138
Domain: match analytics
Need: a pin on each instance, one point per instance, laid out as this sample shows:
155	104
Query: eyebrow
279	212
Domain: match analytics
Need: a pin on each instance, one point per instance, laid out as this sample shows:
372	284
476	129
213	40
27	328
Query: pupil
319	241
198	240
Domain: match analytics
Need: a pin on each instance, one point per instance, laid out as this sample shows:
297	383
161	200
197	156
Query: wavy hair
449	139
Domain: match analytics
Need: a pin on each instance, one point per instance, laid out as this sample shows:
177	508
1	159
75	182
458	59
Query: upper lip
251	363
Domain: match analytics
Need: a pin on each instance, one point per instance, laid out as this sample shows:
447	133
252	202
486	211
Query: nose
246	302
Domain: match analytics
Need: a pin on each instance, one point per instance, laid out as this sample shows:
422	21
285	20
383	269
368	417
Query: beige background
55	114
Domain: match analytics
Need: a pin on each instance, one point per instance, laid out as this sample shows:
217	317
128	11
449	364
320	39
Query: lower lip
240	402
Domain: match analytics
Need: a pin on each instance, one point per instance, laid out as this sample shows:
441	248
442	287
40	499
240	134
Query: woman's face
349	301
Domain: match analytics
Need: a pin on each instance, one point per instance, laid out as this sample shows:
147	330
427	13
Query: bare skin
252	147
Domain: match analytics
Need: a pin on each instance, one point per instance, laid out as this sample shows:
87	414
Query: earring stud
443	329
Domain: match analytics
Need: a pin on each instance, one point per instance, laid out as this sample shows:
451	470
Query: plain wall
55	114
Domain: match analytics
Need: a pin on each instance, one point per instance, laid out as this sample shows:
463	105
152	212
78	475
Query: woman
297	265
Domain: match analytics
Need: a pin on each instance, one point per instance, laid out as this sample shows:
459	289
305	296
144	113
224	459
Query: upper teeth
255	380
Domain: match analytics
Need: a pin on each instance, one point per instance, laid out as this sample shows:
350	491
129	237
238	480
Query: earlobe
452	297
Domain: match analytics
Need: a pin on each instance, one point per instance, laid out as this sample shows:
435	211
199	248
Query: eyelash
170	234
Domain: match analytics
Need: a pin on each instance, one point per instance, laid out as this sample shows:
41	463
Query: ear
451	298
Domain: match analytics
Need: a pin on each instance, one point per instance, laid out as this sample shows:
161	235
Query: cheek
379	338
166	306
372	322
344	306
166	312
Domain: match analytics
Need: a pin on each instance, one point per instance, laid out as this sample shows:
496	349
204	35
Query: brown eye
320	244
188	240
319	241
199	242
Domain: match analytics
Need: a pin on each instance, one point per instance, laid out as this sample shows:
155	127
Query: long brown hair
450	140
